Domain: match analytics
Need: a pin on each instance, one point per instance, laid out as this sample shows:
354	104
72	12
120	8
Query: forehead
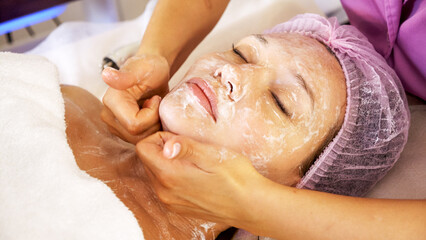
290	53
291	42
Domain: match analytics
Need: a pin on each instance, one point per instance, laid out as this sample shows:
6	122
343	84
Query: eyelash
280	105
236	51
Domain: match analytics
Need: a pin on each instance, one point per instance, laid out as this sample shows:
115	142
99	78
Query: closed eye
236	51
279	104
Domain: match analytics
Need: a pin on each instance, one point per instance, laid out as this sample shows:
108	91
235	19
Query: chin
173	120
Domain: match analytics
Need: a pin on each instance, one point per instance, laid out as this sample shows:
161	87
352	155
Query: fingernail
110	73
166	152
110	69
176	150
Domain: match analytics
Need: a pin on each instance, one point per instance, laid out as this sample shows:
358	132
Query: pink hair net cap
375	127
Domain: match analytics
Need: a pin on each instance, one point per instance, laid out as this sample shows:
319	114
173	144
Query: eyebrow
301	81
260	38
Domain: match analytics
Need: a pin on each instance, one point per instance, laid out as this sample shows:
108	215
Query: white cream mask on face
260	107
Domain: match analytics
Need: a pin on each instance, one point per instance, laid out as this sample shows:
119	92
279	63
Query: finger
202	155
150	151
155	128
117	133
117	79
147	116
134	71
136	138
112	123
118	99
159	138
117	129
128	112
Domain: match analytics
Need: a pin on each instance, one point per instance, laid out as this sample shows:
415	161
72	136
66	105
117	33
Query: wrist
249	201
265	199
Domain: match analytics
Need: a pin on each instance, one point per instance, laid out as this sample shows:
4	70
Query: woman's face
274	98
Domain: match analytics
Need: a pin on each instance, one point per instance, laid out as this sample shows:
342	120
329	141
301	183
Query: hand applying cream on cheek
199	180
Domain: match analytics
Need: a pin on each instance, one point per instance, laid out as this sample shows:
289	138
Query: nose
232	78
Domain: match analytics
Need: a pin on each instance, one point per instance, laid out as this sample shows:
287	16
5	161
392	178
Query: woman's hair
376	122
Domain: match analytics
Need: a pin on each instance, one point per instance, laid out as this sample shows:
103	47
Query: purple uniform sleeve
397	29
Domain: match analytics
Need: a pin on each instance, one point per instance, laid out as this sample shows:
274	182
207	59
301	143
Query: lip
205	95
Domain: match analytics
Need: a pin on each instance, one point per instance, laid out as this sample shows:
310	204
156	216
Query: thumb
152	103
134	71
204	156
118	79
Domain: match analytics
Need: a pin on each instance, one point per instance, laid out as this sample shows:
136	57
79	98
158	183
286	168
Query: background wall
110	11
76	11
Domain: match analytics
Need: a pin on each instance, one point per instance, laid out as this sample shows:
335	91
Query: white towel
43	193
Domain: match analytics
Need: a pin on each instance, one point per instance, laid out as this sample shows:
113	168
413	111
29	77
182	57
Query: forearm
290	213
178	26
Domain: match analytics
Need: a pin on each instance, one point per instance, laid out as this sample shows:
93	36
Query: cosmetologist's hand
132	101
199	180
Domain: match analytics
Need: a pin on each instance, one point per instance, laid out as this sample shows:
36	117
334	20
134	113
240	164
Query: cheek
267	138
262	137
269	149
263	146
